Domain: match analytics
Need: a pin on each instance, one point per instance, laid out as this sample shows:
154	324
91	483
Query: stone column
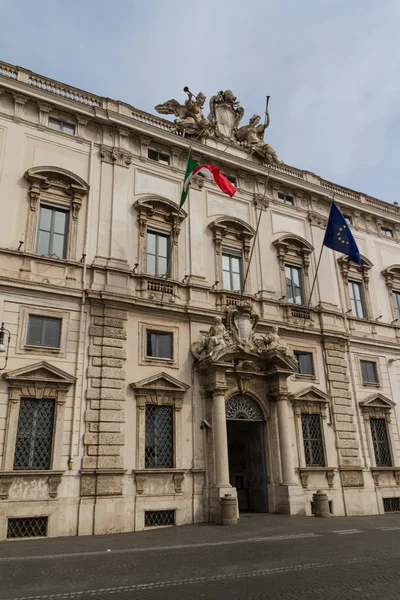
220	439
285	441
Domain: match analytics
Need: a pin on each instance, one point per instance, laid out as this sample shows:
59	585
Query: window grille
34	435
158	518
312	439
380	442
391	504
243	408
27	527
159	447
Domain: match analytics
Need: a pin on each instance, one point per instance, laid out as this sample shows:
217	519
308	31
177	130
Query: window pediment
310	400
157	207
159	389
44	178
42	372
293	243
232	231
392	275
377	401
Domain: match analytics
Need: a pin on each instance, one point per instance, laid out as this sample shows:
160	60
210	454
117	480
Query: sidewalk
249	526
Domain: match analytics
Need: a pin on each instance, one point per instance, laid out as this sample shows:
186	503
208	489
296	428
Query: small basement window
26	527
391	504
159	518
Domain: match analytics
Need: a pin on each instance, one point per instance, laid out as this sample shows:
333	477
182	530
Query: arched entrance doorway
246	452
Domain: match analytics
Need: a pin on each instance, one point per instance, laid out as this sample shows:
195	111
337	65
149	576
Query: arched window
294	260
243	408
55	197
232	238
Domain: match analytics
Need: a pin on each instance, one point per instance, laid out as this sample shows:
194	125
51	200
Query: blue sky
331	68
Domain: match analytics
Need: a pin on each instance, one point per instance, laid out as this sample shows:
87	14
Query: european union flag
339	237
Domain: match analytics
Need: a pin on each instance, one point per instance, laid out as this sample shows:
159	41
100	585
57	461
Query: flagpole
171	246
261	208
315	276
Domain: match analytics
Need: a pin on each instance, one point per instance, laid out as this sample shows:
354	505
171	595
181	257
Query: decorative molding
6	482
352	478
115	156
54	482
311	401
377	406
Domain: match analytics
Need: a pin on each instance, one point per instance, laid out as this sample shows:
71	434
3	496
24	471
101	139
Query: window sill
44	349
305	377
7	478
141	475
371	385
30	472
158	470
378	471
43	257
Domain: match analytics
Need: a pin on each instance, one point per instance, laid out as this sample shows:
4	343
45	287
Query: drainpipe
81	314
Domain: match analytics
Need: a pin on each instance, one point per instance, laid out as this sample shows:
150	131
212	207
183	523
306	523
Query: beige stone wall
106	302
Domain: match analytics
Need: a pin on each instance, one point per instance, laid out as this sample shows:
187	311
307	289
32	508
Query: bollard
228	510
321	504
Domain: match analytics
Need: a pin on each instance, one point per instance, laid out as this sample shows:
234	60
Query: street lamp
4	348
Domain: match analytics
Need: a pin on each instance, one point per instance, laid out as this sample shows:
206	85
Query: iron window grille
159	344
357	299
26	527
157	253
34	441
61	126
159	518
305	363
391	504
369	371
52	231
43	331
312	439
232	269
380	442
159	446
286	198
396	299
294	284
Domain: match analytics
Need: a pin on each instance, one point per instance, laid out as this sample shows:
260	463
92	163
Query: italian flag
210	172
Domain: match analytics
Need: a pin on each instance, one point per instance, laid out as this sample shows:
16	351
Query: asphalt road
264	557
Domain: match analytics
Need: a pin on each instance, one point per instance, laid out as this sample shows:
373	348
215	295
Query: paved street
263	557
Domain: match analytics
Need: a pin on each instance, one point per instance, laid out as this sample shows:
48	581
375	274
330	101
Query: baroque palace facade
141	385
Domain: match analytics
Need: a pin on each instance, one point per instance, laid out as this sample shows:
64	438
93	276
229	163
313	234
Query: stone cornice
105	110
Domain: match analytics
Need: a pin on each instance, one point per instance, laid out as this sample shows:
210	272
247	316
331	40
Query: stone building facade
159	357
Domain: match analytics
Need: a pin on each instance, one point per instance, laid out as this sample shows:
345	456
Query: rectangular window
380	442
159	344
34	435
160	157
159	446
232	179
312	439
348	219
387	232
157	253
369	371
43	331
286	198
396	299
294	284
232	269
61	126
305	361
52	231
356	292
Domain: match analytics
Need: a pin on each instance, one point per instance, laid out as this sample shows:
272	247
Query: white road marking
389	528
348	531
